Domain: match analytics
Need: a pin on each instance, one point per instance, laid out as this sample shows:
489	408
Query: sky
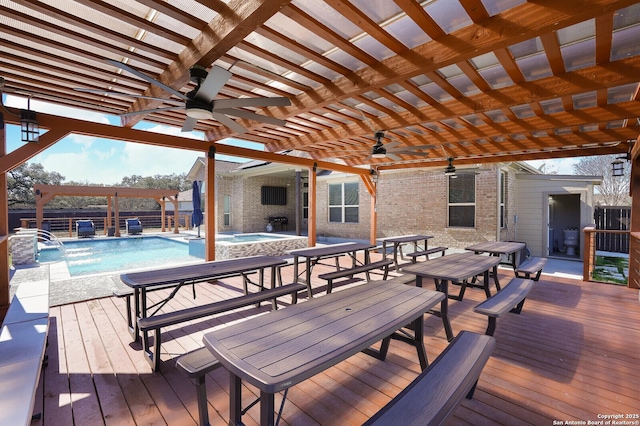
91	160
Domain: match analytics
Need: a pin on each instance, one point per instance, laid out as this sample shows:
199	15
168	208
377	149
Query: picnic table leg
487	291
495	277
308	277
443	286
267	408
396	247
134	330
235	400
418	341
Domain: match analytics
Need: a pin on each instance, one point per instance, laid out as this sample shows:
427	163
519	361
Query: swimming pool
87	257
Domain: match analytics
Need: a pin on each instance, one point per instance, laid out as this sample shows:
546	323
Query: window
503	197
227	210
343	202
462	200
305	205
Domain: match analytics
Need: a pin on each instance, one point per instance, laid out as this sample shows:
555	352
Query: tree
614	189
20	183
172	181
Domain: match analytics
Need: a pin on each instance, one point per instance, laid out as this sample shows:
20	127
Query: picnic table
282	348
498	248
400	240
144	281
456	268
313	255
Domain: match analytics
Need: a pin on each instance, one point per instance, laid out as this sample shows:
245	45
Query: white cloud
149	160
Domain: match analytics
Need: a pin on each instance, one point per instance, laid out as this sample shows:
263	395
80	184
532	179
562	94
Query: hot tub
243	245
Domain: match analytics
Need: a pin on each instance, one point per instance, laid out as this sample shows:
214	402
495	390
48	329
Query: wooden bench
127	293
155	323
524	265
532	265
426	253
350	272
433	396
196	365
23	343
509	299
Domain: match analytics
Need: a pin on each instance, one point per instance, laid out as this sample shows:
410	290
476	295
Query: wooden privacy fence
612	219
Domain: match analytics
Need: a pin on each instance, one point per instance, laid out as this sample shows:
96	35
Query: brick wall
409	202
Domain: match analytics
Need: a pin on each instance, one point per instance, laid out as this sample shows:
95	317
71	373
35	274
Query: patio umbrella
196	216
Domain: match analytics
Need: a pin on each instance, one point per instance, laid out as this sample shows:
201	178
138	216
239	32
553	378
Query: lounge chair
85	228
134	226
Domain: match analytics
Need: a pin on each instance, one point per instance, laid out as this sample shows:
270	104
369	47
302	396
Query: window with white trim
227	210
462	200
503	197
343	202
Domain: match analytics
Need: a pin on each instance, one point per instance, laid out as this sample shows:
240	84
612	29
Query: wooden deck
571	355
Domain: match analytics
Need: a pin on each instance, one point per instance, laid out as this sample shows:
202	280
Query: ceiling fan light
378	155
199	113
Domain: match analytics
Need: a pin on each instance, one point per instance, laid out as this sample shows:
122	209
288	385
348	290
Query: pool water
87	257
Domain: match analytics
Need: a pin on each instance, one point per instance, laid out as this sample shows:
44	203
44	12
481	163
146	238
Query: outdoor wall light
29	126
617	167
374	175
450	170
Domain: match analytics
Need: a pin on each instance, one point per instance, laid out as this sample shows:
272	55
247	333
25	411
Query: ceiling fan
200	103
390	150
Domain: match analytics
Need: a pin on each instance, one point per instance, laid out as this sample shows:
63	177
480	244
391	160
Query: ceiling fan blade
412	148
189	124
228	122
393	157
391	145
252	116
250	102
211	85
409	152
145	77
149	111
106	92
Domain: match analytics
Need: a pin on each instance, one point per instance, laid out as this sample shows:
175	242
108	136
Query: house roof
478	80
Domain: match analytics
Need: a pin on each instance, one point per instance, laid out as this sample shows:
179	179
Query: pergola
46	193
478	81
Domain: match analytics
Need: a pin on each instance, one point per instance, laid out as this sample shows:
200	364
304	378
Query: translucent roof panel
552	106
576	33
373	47
534	67
497	116
449	15
291	29
436	92
526	48
621	93
585	100
624	43
411	98
464	85
496	77
345	60
473	120
408	32
497	6
329	17
523	111
579	55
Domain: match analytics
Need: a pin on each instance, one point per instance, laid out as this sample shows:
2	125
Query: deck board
570	355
